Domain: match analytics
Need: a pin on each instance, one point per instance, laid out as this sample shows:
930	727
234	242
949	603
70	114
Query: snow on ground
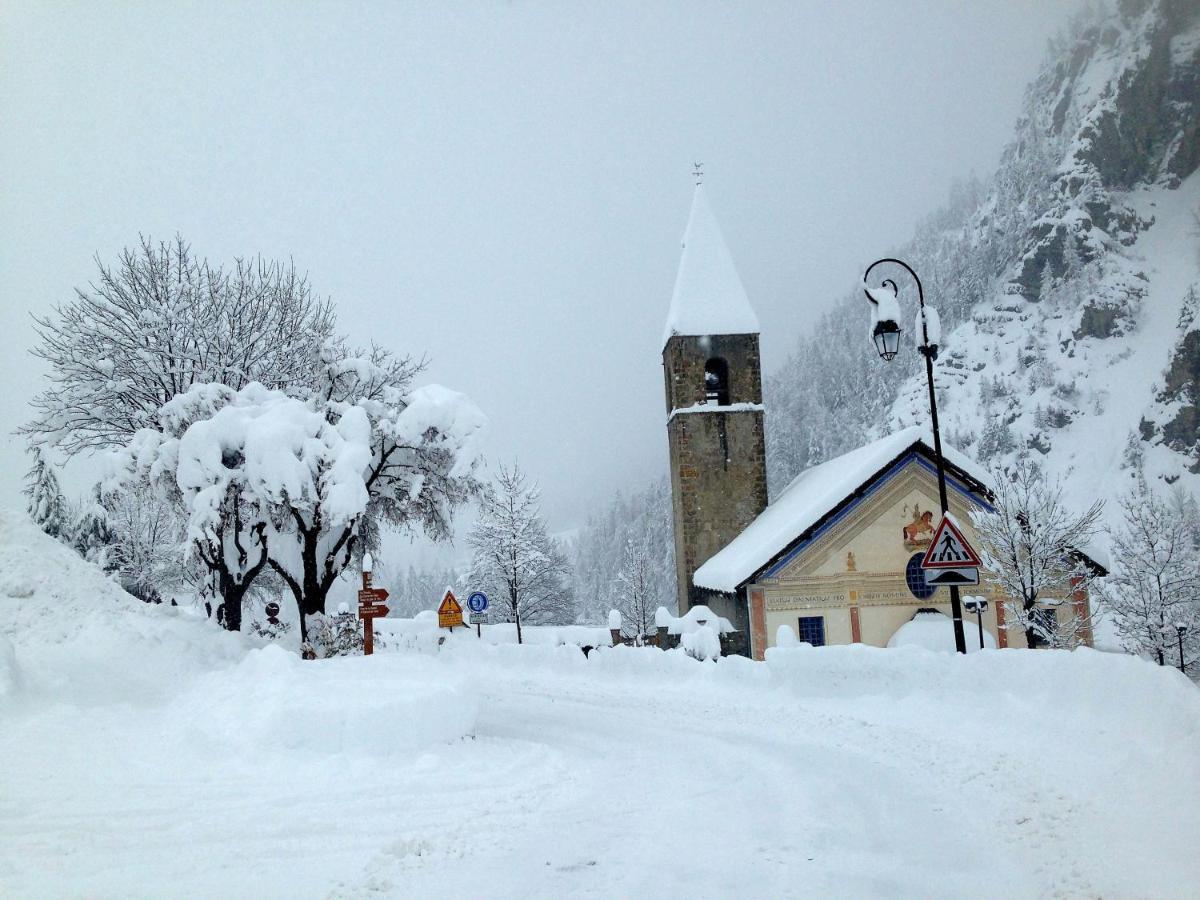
148	754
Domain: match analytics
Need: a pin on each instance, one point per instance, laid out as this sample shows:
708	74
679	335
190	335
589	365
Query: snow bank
422	634
81	629
273	701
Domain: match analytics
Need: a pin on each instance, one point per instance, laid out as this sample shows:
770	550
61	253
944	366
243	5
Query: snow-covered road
145	753
631	774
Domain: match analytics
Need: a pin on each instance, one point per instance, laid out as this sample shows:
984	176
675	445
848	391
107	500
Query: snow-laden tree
1030	546
304	485
156	323
636	596
598	552
520	567
43	498
1155	585
415	452
149	548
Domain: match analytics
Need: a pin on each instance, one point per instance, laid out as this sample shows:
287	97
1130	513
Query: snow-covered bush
336	635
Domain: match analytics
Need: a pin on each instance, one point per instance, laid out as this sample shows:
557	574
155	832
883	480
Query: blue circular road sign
477	602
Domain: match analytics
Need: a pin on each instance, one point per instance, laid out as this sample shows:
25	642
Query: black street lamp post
1180	631
977	605
886	335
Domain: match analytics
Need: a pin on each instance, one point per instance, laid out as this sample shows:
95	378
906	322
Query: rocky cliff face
1068	283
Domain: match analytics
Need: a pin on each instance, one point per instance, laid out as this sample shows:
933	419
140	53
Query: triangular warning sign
949	549
449	605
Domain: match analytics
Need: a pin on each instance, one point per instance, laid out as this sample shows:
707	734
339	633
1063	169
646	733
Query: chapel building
836	556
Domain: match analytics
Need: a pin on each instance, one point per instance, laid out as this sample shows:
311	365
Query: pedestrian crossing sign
949	549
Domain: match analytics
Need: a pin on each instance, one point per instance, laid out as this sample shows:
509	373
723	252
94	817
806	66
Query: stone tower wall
718	458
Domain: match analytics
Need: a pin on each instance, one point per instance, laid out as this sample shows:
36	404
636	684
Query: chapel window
812	630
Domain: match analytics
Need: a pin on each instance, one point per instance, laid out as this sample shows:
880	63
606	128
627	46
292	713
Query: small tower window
716	381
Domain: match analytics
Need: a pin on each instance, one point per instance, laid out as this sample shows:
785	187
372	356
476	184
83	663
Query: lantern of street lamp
886	336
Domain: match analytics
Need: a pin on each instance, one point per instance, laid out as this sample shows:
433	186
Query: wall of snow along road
72	640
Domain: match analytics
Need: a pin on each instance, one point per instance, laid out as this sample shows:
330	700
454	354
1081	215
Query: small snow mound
702	642
786	637
614	620
934	631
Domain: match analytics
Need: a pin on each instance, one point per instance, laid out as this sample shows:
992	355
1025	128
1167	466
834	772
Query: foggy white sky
500	186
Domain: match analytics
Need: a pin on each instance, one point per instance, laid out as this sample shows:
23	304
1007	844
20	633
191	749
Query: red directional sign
949	549
372	610
372	595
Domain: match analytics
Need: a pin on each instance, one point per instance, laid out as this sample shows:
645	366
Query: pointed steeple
709	297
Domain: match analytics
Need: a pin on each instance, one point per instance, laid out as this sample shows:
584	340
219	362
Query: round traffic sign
477	602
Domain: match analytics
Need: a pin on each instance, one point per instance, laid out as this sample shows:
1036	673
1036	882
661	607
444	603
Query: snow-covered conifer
44	500
92	535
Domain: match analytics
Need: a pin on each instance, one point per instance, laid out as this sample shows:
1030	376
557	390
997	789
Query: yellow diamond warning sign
450	612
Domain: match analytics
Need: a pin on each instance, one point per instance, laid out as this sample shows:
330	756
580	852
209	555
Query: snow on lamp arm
885	332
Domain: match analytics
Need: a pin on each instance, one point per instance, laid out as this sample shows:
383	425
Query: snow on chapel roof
812	494
709	297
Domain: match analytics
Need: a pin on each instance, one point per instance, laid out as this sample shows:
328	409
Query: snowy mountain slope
1063	282
149	754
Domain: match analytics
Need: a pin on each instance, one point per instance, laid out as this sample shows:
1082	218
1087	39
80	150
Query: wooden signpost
450	612
370	607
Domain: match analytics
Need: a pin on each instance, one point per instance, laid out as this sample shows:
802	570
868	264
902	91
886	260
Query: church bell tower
714	409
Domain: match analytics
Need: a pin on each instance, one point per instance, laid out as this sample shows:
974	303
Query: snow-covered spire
709	297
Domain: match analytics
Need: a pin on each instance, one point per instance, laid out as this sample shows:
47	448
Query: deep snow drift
147	753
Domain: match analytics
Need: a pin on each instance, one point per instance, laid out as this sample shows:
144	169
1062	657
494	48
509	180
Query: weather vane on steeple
698	172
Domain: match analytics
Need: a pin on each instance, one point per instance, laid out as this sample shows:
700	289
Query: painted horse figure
918	527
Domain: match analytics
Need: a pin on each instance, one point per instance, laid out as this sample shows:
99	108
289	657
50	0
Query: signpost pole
368	622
